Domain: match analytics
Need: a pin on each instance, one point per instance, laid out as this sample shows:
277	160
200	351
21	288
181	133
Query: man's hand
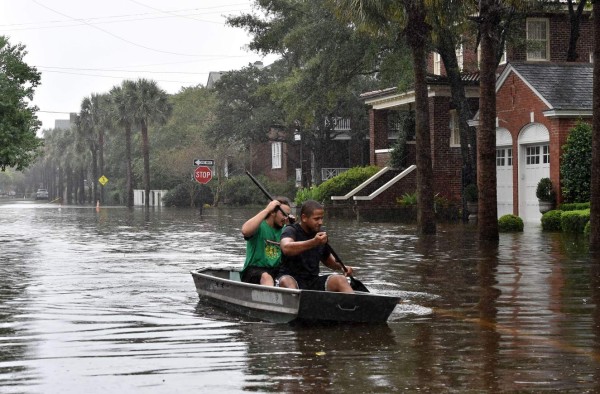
348	271
320	238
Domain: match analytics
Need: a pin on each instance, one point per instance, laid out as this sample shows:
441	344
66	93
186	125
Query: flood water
99	302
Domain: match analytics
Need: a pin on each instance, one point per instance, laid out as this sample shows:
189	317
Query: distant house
285	156
539	98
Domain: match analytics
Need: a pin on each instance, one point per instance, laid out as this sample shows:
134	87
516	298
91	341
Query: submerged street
103	301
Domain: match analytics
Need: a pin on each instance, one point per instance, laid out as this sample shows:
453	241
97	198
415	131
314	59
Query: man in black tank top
304	247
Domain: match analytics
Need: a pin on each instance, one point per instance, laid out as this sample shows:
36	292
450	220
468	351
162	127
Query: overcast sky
83	47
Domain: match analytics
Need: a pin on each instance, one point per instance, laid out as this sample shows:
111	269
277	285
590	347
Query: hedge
574	221
574	206
551	220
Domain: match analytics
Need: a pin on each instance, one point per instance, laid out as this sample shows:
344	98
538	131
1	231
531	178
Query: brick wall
559	39
447	161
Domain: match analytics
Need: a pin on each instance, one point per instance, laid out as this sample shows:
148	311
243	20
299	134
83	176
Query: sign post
203	174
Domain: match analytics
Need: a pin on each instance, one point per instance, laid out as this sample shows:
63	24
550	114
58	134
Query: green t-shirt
262	249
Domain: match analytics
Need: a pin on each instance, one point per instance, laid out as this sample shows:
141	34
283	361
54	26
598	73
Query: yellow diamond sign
103	180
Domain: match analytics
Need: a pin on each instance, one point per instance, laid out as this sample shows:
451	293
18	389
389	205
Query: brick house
539	99
284	156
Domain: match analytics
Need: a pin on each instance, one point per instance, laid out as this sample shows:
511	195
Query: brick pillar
378	132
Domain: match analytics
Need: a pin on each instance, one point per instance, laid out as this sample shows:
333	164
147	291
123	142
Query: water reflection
103	301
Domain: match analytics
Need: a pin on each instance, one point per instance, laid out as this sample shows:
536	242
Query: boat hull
223	288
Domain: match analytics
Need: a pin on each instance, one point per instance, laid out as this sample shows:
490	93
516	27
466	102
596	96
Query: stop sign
203	174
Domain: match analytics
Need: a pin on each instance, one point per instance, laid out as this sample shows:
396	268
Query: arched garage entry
504	171
534	164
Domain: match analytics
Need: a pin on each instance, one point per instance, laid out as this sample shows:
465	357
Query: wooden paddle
356	284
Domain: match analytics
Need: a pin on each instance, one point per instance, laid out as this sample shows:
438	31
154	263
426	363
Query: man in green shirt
262	233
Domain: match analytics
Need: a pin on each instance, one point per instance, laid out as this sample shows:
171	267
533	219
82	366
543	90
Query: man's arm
291	247
331	263
251	226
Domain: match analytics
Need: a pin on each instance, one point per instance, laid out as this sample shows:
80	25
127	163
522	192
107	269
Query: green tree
18	123
150	106
576	164
325	65
122	114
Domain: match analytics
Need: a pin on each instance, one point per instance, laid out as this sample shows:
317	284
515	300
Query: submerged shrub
587	229
510	223
551	220
574	221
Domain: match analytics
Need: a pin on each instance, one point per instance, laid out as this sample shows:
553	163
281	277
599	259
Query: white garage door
504	171
534	164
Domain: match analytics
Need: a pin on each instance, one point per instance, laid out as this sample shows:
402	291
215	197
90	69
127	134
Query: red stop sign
203	174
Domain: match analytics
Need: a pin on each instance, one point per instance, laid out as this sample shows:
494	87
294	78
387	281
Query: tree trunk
416	33
463	109
101	160
128	167
575	22
146	154
487	217
94	175
595	192
70	180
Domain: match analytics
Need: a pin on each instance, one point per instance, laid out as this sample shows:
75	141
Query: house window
454	128
504	157
275	155
537	39
437	63
546	154
533	155
500	159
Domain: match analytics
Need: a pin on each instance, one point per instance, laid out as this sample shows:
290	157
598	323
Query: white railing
328	173
338	123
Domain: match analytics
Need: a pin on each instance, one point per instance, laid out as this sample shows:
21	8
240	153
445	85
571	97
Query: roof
561	85
432	79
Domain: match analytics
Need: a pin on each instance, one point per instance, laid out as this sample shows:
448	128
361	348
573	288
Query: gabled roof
562	86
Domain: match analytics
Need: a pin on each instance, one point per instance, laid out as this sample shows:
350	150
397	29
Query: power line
112	34
132	17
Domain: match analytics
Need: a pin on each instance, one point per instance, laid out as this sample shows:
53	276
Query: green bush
576	164
240	190
551	220
337	186
510	223
307	193
544	190
574	206
180	196
574	221
407	199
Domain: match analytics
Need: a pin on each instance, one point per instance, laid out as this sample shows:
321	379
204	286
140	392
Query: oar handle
291	218
336	257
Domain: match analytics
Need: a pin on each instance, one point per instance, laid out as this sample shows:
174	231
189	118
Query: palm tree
87	133
411	16
150	105
122	112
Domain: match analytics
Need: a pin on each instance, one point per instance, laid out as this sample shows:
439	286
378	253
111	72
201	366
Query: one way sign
200	162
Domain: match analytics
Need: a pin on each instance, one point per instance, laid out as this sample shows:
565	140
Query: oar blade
357	285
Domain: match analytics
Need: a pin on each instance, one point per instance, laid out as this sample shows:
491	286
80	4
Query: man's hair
283	201
309	207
